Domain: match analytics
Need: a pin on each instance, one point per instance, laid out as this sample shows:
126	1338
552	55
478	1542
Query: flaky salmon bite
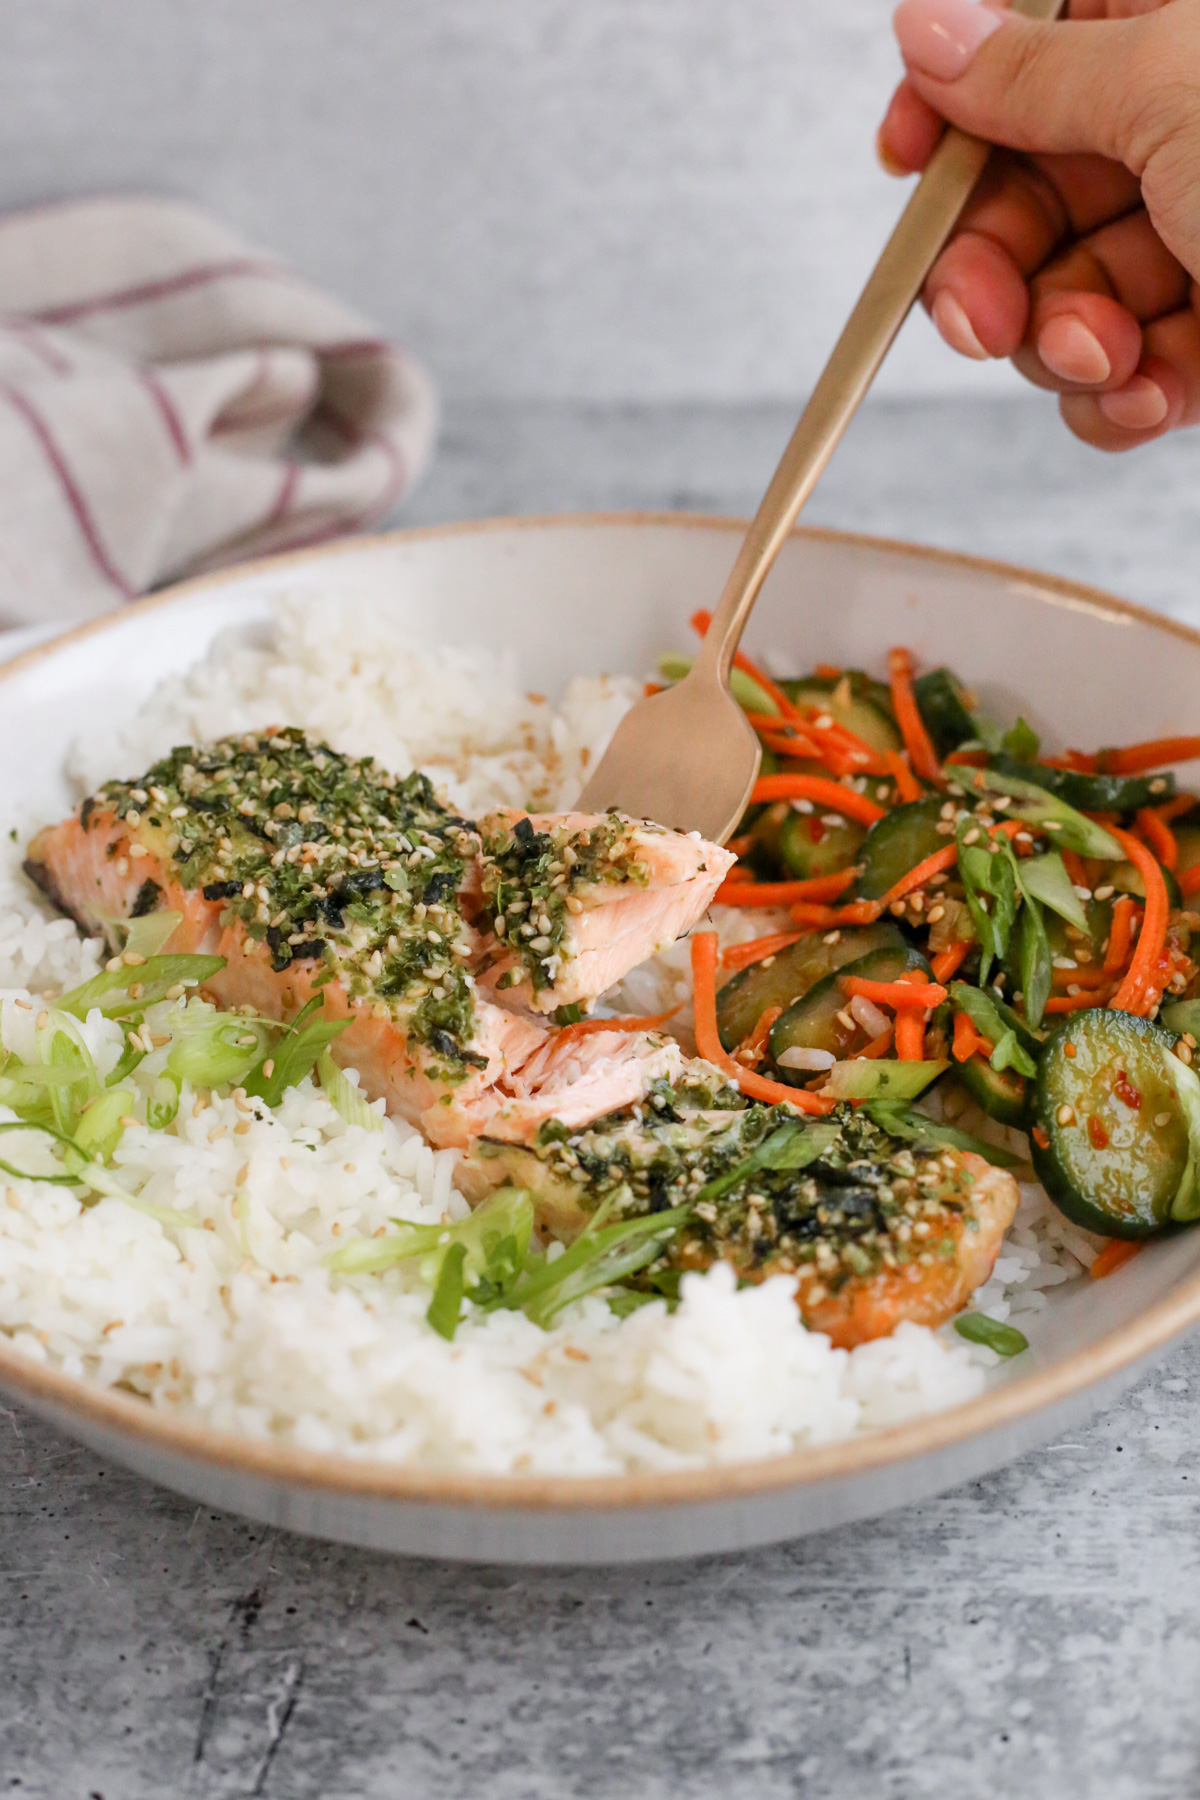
314	873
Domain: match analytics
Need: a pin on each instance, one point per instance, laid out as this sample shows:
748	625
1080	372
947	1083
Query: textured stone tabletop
1034	1634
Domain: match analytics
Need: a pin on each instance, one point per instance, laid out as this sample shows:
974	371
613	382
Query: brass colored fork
687	757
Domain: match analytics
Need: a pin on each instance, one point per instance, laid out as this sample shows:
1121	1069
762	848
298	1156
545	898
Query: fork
688	757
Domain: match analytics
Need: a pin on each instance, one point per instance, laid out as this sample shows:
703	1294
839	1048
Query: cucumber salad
965	911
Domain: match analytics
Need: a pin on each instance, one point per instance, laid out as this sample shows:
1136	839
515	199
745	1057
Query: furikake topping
769	1192
330	861
534	881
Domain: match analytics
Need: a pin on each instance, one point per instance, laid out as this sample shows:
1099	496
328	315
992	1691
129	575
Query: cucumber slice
812	1023
1003	1094
742	1002
809	847
1188	839
1110	1165
849	704
1091	793
942	703
897	843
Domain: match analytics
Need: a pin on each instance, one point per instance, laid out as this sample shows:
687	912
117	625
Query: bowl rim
109	1411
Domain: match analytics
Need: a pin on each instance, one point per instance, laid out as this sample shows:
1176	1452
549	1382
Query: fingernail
941	36
1139	406
1072	351
890	164
951	320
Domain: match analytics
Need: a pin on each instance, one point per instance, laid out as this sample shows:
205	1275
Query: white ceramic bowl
582	595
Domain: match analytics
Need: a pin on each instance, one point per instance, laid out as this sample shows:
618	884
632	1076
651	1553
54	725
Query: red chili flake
816	831
1068	1049
1124	1089
1040	1138
1100	1138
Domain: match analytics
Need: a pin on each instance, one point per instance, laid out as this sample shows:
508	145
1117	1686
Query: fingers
910	132
1051	88
1161	396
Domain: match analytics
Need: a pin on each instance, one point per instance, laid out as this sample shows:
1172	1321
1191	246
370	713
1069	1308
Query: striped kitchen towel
171	400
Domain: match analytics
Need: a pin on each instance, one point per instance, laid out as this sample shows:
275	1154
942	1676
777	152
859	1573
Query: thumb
1048	88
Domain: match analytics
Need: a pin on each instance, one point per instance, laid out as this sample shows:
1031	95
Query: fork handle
897	279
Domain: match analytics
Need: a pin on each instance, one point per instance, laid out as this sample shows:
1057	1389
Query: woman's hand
1079	257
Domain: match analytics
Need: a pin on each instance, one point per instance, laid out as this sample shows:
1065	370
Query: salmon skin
874	1230
313	873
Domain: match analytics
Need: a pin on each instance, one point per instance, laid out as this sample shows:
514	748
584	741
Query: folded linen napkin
171	400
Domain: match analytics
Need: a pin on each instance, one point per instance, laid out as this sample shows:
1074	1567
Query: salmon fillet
313	873
624	891
874	1231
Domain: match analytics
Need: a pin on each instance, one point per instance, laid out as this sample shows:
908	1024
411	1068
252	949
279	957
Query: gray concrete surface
628	197
1034	1634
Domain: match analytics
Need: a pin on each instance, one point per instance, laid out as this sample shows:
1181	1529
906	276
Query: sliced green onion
1185	1208
295	1054
154	978
1036	806
99	1131
1046	878
745	690
147	935
992	1016
344	1097
864	1079
162	1106
903	1122
446	1305
64	1178
215	1049
977	1328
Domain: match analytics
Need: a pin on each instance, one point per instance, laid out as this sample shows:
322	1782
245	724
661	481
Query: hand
1079	256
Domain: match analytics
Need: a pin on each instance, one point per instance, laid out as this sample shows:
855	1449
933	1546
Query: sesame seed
1161	1119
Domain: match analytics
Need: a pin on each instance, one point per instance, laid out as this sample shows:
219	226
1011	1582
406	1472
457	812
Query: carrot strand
948	961
910	1035
1159	836
900	994
817	788
1115	1254
907	785
1121	936
587	1027
737	891
966	1038
1138	992
1134	759
752	1046
744	956
877	1047
921	753
708	1038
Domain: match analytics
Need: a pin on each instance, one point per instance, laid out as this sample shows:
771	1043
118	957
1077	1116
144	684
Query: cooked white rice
232	1317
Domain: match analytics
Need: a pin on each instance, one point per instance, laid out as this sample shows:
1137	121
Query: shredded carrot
1069	1003
708	1038
1089	977
910	1035
1175	809
877	1047
737	891
751	1048
966	1039
907	785
1115	1254
807	912
587	1027
1121	936
653	687
827	672
744	956
1138	992
1159	836
921	753
894	993
739	846
948	961
937	864
1133	759
1073	864
1189	881
816	787
969	759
